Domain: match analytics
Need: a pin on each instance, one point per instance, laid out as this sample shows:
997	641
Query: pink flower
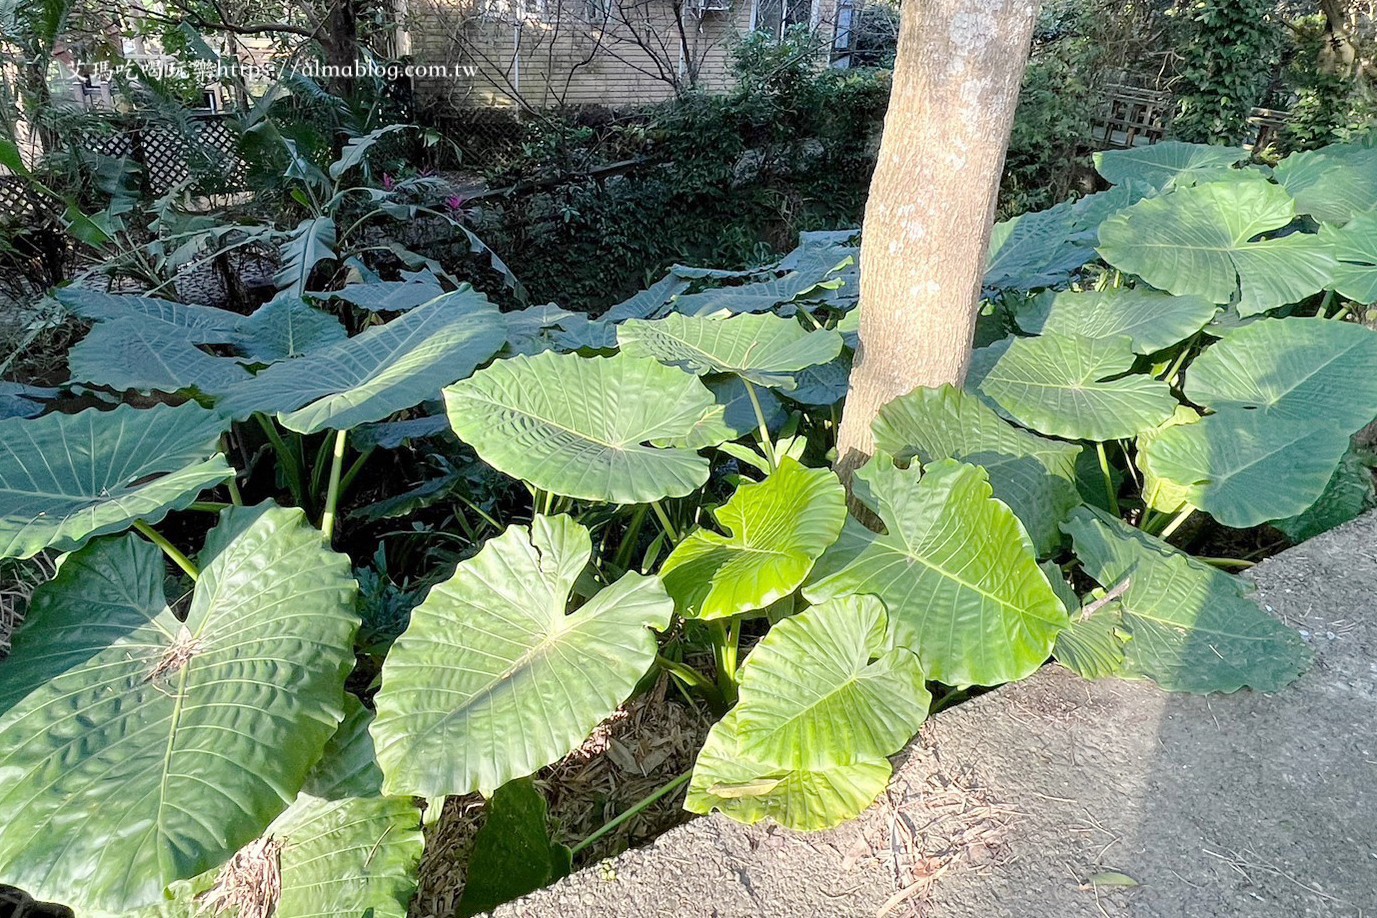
455	203
388	182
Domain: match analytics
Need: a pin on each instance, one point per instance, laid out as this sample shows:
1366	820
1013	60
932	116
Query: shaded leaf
492	680
512	853
386	369
1298	370
65	478
286	327
1192	627
149	356
584	427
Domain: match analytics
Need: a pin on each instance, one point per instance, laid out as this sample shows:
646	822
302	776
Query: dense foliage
1232	50
593	502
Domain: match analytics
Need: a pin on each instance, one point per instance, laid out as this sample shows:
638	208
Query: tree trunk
340	41
932	202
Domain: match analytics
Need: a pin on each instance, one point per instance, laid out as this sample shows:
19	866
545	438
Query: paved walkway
1059	798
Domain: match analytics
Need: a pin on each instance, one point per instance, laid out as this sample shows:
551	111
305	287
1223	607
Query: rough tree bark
932	202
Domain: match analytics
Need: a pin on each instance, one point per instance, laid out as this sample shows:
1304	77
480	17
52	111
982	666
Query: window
774	17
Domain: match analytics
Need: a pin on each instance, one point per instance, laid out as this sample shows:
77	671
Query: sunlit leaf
824	697
1035	476
765	350
1151	320
776	530
1169	164
385	369
1075	387
1202	241
956	570
584	427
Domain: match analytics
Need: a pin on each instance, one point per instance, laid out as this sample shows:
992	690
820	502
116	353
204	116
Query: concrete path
1059	798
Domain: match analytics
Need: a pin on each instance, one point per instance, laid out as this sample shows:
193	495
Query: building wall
547	53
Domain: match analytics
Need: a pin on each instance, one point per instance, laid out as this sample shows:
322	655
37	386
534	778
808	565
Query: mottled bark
932	201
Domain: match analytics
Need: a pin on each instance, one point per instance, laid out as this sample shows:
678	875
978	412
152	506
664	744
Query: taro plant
552	512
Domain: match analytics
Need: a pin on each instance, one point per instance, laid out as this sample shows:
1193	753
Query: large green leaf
754	297
1333	184
1200	241
1169	164
1159	494
777	529
385	369
765	350
20	401
1247	467
1046	248
651	302
199	324
1036	477
493	679
1192	627
149	356
139	749
286	326
956	570
346	850
1075	387
390	296
1092	646
1348	495
1355	248
824	698
67	477
512	852
1152	320
1297	370
341	848
806	800
584	426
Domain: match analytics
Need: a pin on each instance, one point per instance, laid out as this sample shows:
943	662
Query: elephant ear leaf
386	369
824	698
1075	387
147	357
622	429
956	570
340	849
141	749
764	350
1035	476
65	478
1202	241
778	528
1167	165
493	679
1191	628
